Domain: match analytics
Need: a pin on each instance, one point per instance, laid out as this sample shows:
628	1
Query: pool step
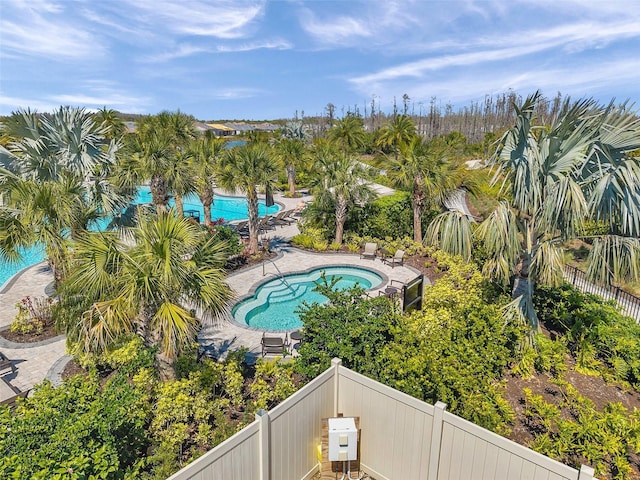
286	294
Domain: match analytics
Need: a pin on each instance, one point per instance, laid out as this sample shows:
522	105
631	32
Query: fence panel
395	428
629	302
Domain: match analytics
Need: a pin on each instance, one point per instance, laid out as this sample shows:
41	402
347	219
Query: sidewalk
33	361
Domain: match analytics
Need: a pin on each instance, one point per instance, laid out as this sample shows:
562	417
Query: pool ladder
280	276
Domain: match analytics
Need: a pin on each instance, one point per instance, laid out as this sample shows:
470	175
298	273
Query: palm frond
451	231
614	259
547	264
501	241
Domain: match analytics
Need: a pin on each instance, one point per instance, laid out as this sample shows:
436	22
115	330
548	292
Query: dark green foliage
389	216
350	327
78	430
603	341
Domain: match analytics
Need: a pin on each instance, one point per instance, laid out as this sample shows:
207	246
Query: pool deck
219	339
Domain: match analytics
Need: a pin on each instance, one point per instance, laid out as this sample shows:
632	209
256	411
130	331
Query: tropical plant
206	152
57	181
426	170
160	139
348	133
398	133
555	177
152	287
291	152
339	184
242	168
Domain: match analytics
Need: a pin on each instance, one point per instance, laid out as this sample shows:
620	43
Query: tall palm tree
242	168
182	178
160	139
556	177
348	132
110	119
427	171
291	152
340	182
150	287
398	133
206	152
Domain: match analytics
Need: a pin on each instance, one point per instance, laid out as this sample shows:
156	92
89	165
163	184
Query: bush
390	216
34	314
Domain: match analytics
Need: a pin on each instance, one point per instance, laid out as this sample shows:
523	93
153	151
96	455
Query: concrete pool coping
384	280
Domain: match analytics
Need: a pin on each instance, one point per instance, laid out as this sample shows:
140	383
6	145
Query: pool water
274	303
229	208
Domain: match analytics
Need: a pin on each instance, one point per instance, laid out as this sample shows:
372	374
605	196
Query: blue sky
267	59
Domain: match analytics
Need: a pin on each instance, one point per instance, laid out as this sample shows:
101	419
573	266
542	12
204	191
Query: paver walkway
32	360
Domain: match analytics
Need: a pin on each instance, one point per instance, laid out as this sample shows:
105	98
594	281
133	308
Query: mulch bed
48	332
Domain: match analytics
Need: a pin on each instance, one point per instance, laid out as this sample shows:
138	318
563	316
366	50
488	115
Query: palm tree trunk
179	206
341	217
164	364
418	209
291	177
206	197
158	189
252	201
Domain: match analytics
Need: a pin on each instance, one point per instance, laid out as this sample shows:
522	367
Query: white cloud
220	19
334	30
246	47
43	29
234	93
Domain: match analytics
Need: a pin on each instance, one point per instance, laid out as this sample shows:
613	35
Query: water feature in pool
273	305
229	208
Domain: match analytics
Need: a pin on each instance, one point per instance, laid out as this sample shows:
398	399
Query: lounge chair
370	250
5	363
397	259
265	224
274	345
241	227
282	218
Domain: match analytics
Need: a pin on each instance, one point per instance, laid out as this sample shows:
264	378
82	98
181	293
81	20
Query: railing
629	302
280	275
400	437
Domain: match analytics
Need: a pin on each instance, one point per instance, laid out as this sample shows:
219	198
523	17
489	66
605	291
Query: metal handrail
280	275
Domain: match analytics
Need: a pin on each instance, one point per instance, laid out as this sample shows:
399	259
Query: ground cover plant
116	420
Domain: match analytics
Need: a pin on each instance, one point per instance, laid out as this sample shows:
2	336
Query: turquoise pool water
229	208
274	303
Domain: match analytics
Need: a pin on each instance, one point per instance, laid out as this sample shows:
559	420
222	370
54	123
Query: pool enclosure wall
401	437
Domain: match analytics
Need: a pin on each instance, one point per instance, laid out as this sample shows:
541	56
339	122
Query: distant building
221	130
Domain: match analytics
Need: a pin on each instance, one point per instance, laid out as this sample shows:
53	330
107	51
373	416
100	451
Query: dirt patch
49	331
72	369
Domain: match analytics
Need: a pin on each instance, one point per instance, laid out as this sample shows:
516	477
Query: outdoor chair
5	363
274	345
282	218
266	223
241	227
397	259
370	250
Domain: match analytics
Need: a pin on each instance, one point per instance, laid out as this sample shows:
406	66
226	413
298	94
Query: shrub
34	314
390	216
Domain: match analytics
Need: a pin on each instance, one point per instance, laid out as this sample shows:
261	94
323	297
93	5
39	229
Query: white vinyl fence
401	438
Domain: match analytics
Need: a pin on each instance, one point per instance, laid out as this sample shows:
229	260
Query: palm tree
242	168
206	152
57	182
426	170
340	183
110	119
556	177
398	133
348	132
151	287
182	178
290	148
159	140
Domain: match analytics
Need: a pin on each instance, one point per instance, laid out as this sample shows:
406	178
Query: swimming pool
229	208
273	305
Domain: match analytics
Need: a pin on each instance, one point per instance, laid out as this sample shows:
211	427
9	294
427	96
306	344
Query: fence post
586	473
436	439
335	363
264	458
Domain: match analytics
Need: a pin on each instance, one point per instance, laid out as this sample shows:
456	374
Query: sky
256	60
